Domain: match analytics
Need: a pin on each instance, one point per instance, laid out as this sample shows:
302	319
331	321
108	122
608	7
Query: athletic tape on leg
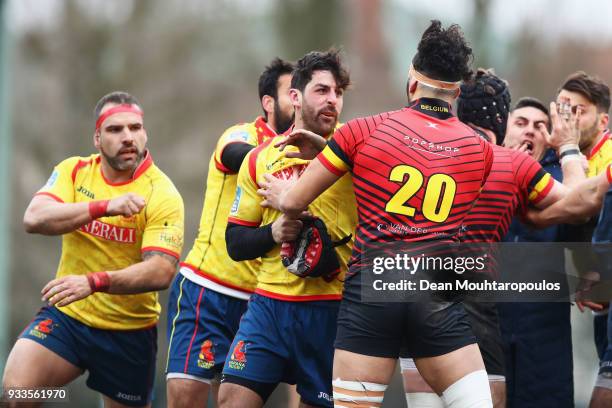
424	400
357	393
471	391
407	364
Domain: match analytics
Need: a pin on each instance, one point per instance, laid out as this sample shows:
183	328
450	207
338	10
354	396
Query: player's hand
65	290
565	126
285	229
587	281
308	143
126	205
272	188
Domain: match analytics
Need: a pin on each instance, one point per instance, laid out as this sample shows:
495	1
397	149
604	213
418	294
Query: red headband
118	109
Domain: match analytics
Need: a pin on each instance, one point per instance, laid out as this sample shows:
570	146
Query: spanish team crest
42	329
238	358
206	358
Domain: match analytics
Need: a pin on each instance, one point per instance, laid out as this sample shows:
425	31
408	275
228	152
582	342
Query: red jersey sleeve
531	177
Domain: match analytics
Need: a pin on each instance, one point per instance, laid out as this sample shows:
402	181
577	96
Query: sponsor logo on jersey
52	179
236	203
288	172
238	358
206	358
110	232
242	135
85	192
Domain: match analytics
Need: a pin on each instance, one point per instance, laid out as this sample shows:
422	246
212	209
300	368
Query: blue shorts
121	364
291	342
201	326
602	325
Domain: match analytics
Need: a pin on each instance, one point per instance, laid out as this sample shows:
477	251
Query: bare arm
580	202
47	216
154	273
315	180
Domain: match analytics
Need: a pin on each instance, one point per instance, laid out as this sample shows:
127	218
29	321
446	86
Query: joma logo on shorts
128	397
324	395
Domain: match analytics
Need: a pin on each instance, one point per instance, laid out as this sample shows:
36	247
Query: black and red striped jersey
515	181
416	172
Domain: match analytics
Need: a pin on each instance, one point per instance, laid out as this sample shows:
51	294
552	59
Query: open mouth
528	147
329	115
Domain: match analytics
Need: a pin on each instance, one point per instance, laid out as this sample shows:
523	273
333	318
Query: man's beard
282	121
119	164
588	135
309	117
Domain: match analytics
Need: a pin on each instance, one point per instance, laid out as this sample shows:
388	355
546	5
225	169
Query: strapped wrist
98	208
568	147
98	281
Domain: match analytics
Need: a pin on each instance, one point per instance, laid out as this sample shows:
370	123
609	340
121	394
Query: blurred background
194	64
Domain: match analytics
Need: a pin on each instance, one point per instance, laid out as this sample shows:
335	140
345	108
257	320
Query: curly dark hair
443	54
320	61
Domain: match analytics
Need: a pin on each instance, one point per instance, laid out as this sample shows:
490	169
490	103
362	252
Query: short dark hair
443	54
591	87
320	61
530	102
268	80
117	97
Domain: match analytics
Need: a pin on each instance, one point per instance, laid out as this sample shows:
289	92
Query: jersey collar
602	141
436	108
264	131
144	165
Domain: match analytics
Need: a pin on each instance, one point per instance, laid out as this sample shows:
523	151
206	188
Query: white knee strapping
407	364
603	382
471	391
358	392
424	400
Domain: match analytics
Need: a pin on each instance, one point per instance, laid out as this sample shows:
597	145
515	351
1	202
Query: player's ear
603	121
96	139
267	103
296	97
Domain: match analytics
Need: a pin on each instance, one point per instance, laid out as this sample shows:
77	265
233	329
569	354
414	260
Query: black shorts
485	324
417	329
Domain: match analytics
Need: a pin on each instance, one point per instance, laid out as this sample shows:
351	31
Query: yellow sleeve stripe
332	162
541	189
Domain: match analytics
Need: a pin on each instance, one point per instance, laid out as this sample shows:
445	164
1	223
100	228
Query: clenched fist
126	205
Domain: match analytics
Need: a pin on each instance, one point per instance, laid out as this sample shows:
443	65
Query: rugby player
121	221
210	294
516	181
388	155
592	96
287	333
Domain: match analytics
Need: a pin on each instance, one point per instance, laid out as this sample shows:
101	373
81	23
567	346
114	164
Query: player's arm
316	179
245	237
233	154
249	242
45	215
580	202
154	273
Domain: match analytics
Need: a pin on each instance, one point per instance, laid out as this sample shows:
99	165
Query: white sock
471	391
